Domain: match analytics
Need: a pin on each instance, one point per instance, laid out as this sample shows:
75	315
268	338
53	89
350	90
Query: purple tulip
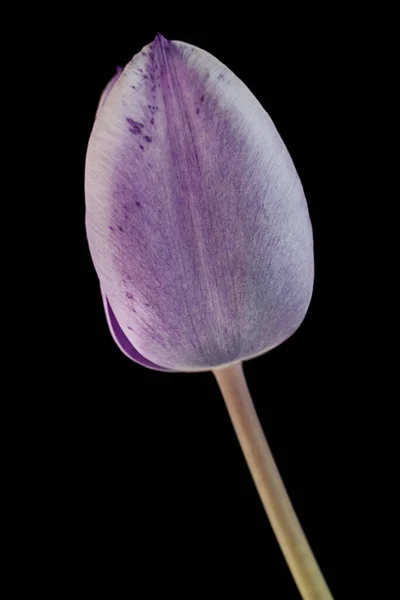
200	235
196	219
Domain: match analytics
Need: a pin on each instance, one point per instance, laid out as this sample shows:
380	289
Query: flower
196	218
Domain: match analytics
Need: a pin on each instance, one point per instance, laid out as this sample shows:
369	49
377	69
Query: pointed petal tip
160	39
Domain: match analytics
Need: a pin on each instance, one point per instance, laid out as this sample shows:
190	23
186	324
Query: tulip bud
196	219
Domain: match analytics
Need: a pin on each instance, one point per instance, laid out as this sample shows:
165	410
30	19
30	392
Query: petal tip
161	40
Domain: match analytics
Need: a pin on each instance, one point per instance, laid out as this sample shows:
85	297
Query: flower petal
122	341
196	218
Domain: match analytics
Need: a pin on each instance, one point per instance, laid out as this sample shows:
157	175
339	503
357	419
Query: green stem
283	519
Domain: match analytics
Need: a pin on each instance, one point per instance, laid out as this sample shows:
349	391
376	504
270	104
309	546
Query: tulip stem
283	519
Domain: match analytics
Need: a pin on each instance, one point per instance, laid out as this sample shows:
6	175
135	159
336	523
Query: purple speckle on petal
148	138
138	204
129	295
135	127
120	228
152	120
141	147
197	111
202	98
111	228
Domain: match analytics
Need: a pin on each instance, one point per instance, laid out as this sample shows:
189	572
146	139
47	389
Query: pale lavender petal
196	219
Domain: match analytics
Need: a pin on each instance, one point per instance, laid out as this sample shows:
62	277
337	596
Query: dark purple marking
129	295
140	70
151	55
145	76
144	53
141	147
111	228
148	138
135	127
152	120
138	204
202	98
133	87
197	111
120	228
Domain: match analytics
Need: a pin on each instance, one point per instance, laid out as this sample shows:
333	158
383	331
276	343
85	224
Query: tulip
200	235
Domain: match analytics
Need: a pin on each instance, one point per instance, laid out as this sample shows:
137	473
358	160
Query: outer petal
196	218
117	333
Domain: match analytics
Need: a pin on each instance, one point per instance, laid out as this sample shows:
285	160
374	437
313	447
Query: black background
139	477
